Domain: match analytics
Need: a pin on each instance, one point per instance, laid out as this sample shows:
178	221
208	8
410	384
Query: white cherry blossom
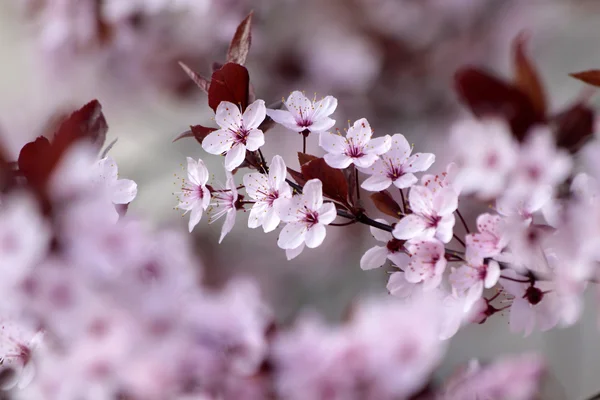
427	262
267	191
486	154
306	216
356	148
238	132
396	166
472	277
105	173
225	205
194	196
432	214
376	256
303	114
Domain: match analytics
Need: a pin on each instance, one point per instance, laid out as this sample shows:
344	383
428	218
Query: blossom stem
463	221
403	201
263	162
355	171
459	240
303	143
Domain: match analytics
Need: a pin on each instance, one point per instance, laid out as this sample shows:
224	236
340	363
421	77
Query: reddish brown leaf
526	76
196	131
297	176
591	77
35	161
88	122
386	204
487	95
574	126
240	44
230	83
303	158
334	182
202	82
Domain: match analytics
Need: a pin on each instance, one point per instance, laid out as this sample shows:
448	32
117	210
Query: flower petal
255	114
255	139
228	224
217	142
195	216
420	199
293	253
400	149
375	257
313	194
409	227
256	185
419	162
376	183
522	317
327	213
492	274
445	228
315	236
445	201
339	161
277	172
380	234
235	157
360	132
405	181
271	220
292	235
365	161
321	125
324	108
197	172
379	145
285	118
257	215
332	142
228	116
299	105
123	191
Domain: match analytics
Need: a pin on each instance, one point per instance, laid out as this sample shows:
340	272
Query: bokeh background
391	61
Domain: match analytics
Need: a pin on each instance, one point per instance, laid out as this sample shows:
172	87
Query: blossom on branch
194	195
267	191
427	262
225	204
356	148
306	216
305	115
106	174
376	256
432	214
396	166
239	132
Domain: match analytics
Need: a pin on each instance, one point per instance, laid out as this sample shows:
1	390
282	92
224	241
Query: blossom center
311	218
271	197
395	245
533	295
241	136
354	150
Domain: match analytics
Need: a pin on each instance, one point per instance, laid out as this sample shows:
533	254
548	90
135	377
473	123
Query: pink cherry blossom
445	179
396	166
194	195
105	174
356	148
473	277
306	216
18	347
376	256
303	114
516	378
225	204
535	305
486	154
491	238
399	287
267	191
427	262
432	214
238	132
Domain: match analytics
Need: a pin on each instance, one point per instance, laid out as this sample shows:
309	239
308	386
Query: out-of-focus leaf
334	182
196	131
35	161
386	204
574	126
86	123
526	76
303	158
230	83
487	95
202	82
240	44
591	77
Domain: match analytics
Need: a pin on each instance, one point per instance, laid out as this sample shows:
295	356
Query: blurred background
390	61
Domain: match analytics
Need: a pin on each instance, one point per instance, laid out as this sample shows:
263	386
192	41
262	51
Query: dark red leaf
526	76
486	95
35	161
574	126
591	77
303	158
230	83
86	123
386	204
196	131
334	182
202	82
240	44
297	176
